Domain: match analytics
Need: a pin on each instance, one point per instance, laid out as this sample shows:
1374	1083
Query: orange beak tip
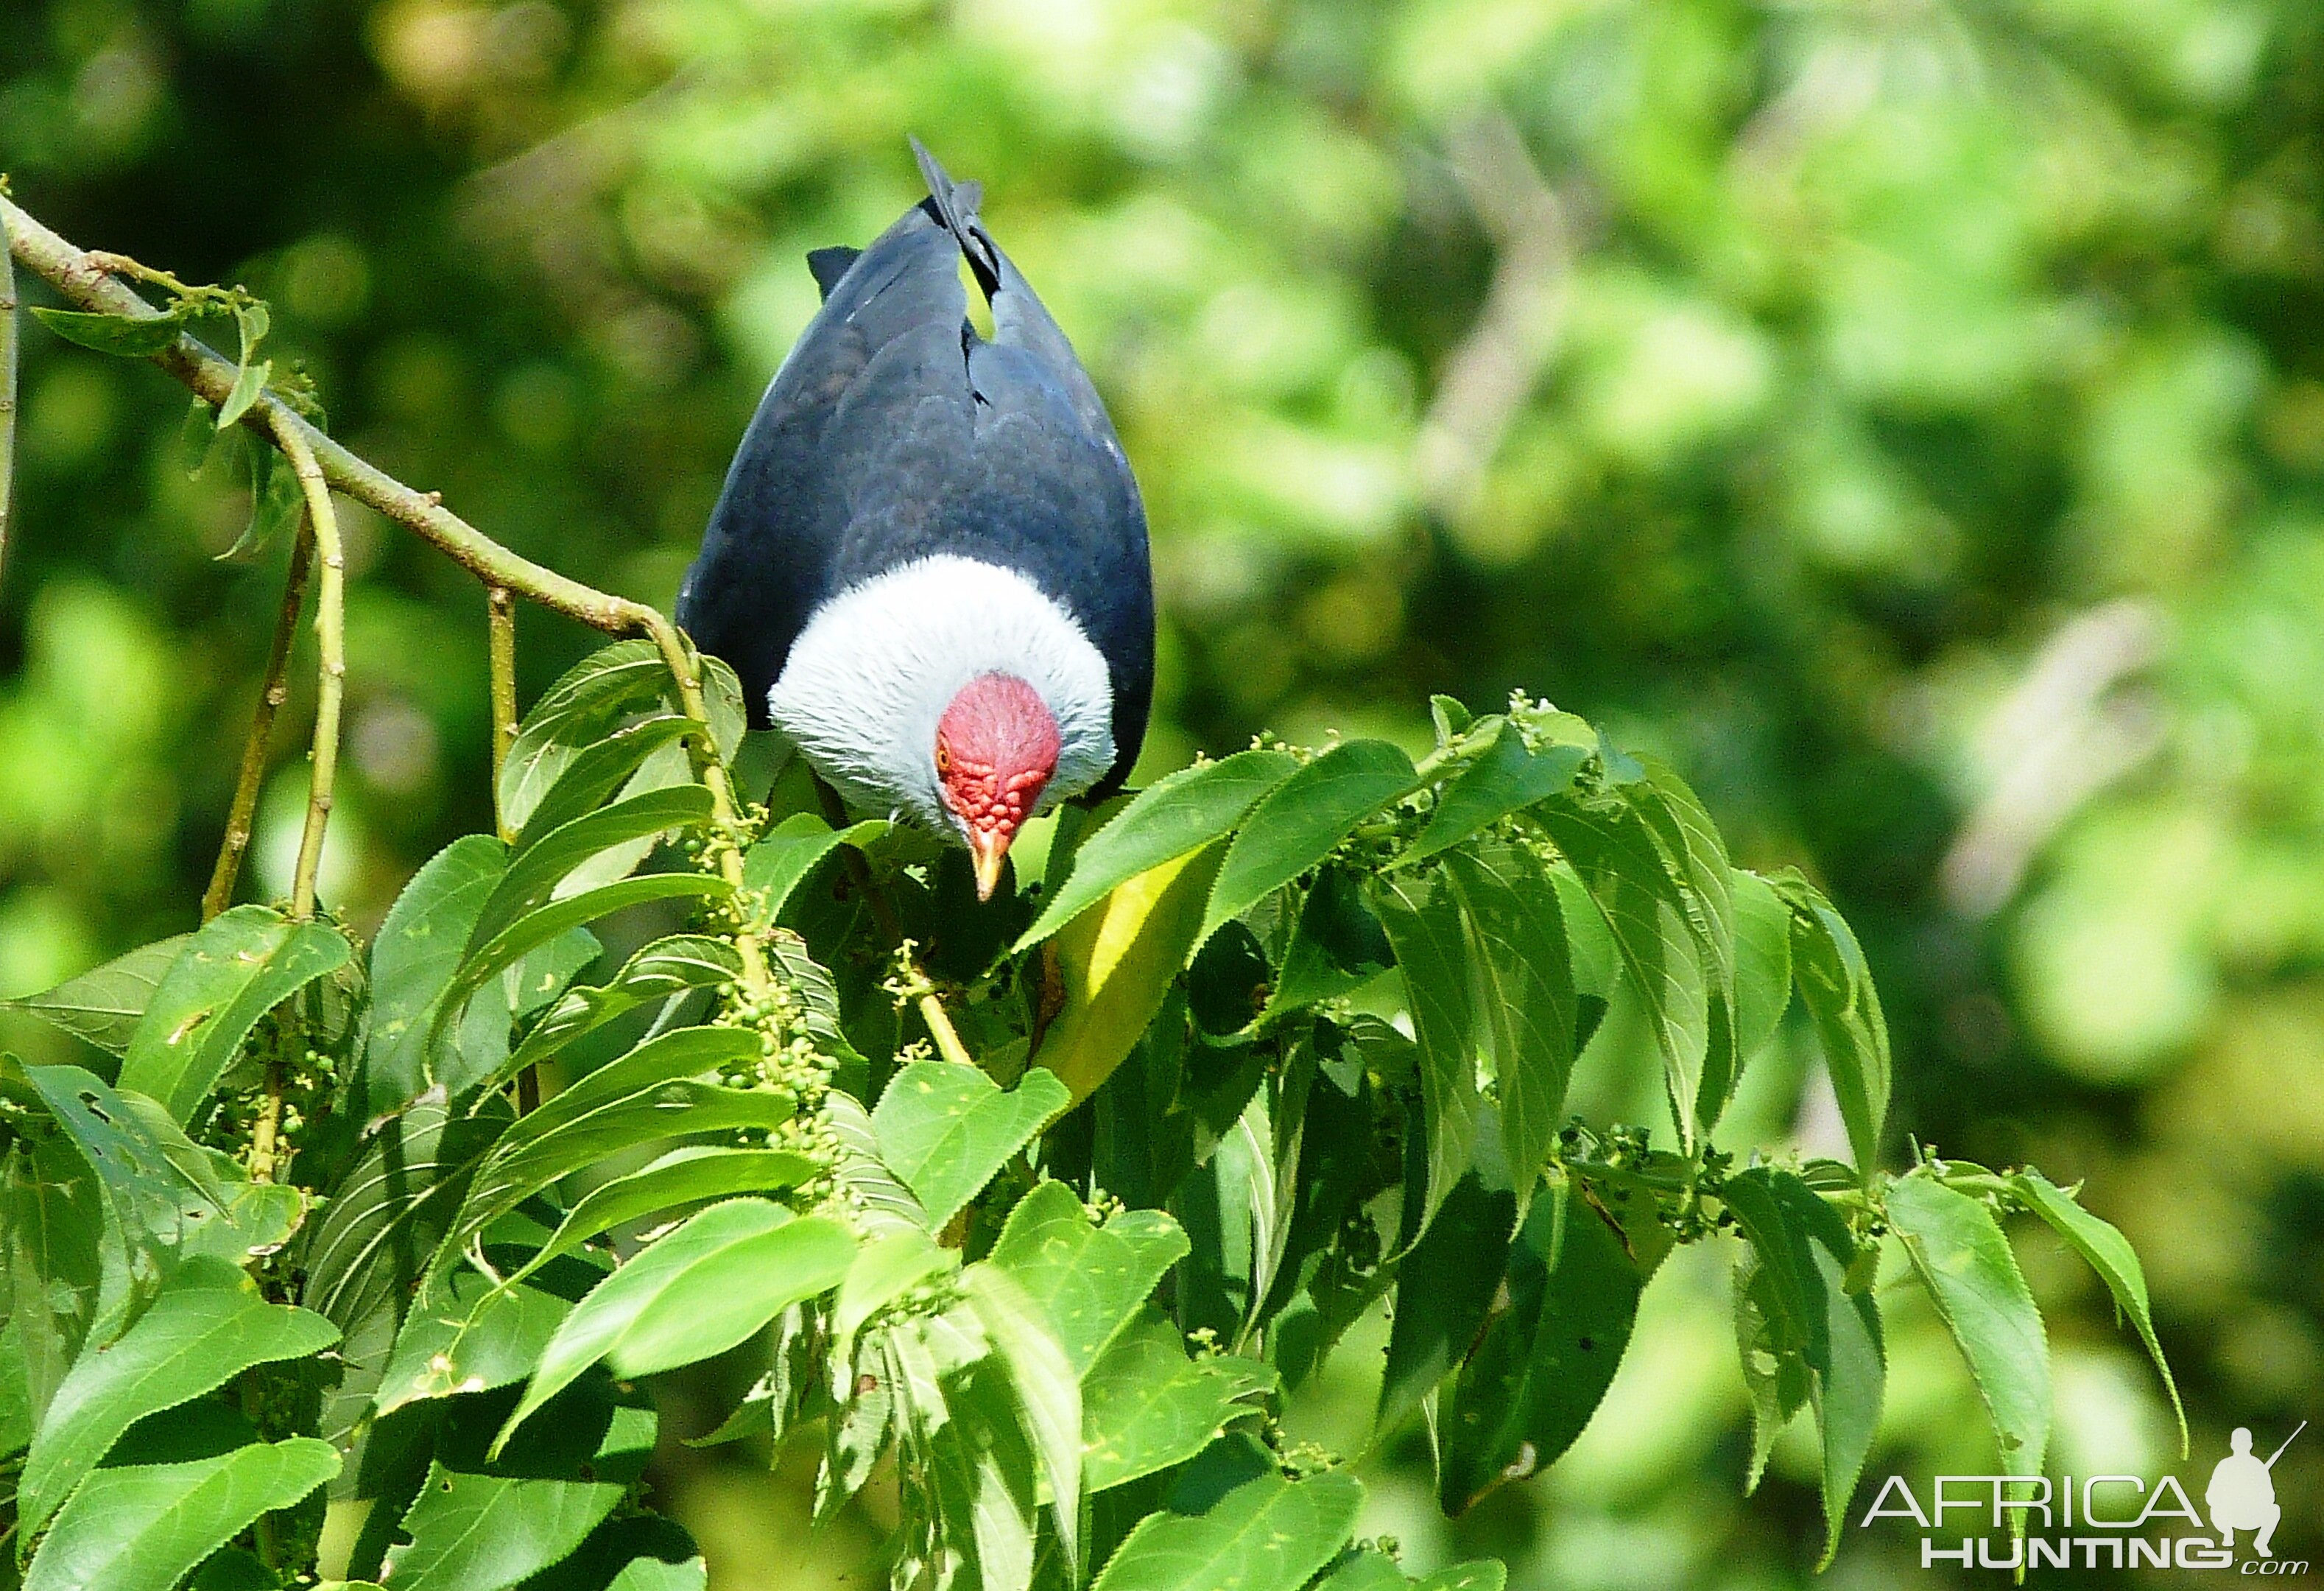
990	849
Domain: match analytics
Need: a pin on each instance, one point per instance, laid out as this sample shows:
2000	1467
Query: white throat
878	664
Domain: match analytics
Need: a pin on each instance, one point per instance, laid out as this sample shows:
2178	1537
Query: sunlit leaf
946	1128
144	1527
1147	1405
1423	920
104	1005
1302	821
1268	1534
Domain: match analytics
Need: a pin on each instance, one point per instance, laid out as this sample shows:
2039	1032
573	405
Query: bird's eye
944	759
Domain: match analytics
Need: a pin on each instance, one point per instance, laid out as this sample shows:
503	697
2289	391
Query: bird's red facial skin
996	750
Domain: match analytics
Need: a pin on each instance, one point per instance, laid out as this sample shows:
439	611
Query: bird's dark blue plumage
893	432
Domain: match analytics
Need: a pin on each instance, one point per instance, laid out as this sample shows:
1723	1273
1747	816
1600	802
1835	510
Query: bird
929	564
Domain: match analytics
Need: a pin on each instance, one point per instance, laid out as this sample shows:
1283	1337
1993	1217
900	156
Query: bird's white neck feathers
877	665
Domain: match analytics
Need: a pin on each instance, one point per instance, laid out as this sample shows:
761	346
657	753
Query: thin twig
8	313
268	1128
500	621
241	814
87	281
331	671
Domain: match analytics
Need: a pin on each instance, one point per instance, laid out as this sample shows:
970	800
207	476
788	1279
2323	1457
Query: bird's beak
990	849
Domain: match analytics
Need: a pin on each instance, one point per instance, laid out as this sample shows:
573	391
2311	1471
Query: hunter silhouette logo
2242	1492
2095	1521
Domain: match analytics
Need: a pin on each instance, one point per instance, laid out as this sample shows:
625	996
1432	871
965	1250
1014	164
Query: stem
266	1131
331	674
500	612
237	844
8	315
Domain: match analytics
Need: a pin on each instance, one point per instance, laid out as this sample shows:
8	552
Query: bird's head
996	750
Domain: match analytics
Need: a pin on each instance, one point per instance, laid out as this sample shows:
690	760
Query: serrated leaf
536	869
1147	1405
144	1527
1337	946
598	770
1118	963
947	1129
1268	1534
149	1173
1091	1281
1962	1258
777	864
659	970
693	1174
1518	928
1543	1364
413	960
1834	1335
1506	778
474	1530
468	1335
128	336
1618	857
1454	1271
1046	1384
1181	813
1836	987
105	1004
1762	966
237	967
653	1093
2108	1252
719	1277
538	926
208	1325
1302	821
1424	925
583	707
896	1260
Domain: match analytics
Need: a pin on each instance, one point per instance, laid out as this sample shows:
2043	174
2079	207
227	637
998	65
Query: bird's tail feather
955	207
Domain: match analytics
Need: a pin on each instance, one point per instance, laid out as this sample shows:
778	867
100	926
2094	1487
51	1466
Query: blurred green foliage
1908	419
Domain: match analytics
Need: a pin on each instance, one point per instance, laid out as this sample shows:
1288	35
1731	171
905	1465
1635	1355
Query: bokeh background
1907	417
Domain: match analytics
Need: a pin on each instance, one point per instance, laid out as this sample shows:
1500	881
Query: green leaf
537	868
1337	946
790	850
1118	963
1268	1534
659	970
596	772
1518	929
715	1279
1763	965
693	1174
277	502
128	337
468	1335
653	1093
538	928
240	965
583	707
1147	1405
144	1527
1047	1384
1506	778
150	1173
1091	1281
1454	1271
414	958
880	1200
946	1128
1961	1257
1483	1574
1423	920
206	1326
104	1005
1619	859
2108	1252
249	381
896	1260
1829	1333
1544	1362
1169	818
1836	987
1302	821
473	1531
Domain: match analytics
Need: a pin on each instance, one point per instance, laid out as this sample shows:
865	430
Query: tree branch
331	672
239	816
499	622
